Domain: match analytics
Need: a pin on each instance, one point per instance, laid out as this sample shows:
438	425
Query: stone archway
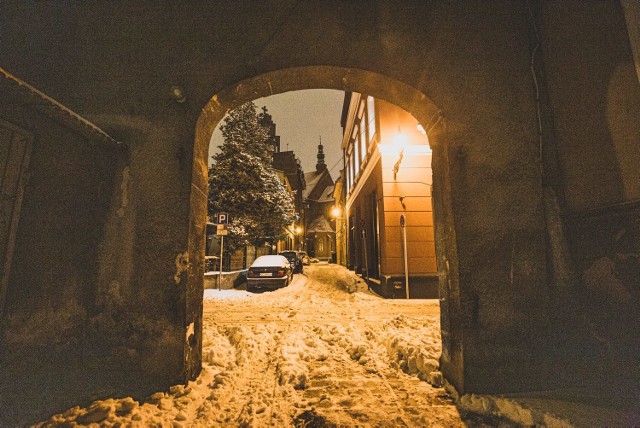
512	326
323	77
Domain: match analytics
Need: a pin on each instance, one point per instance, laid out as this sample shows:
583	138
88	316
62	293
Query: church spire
320	166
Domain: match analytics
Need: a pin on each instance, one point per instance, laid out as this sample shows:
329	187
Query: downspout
403	227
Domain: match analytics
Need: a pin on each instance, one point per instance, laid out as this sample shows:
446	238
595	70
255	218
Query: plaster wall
594	96
406	192
66	202
590	69
361	210
468	61
51	304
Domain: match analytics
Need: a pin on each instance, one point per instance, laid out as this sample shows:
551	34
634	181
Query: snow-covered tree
243	184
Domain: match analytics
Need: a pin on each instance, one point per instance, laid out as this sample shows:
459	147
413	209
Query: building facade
388	208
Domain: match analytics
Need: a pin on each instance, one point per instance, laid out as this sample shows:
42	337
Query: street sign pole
222	219
220	273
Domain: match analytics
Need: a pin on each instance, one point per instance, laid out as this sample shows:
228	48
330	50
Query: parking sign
222	218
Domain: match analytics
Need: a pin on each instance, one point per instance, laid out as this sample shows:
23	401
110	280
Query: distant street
322	352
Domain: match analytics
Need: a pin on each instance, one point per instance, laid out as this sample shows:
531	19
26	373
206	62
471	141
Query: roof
271	260
32	97
320	224
311	179
315	179
327	194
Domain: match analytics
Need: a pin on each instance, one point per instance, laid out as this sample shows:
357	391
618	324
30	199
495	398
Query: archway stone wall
462	68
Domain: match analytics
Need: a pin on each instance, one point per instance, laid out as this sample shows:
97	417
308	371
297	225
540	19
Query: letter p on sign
222	218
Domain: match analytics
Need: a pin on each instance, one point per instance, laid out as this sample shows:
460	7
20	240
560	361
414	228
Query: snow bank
413	346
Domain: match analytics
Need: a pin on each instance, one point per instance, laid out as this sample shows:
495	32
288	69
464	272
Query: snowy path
322	352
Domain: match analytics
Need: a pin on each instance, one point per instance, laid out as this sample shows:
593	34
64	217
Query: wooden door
15	151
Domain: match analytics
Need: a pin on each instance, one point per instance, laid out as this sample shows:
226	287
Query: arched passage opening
379	86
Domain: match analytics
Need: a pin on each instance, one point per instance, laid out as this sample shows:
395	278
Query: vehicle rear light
252	274
281	272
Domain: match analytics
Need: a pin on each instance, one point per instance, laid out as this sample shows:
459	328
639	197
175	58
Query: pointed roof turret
320	166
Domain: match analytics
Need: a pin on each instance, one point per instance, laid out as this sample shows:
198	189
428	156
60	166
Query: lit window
363	139
371	118
356	156
352	168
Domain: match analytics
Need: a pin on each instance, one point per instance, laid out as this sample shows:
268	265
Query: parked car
269	272
306	260
295	260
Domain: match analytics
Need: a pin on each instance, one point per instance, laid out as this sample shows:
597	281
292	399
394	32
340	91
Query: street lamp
337	214
298	231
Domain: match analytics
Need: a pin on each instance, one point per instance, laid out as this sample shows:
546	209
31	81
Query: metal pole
220	273
366	261
403	226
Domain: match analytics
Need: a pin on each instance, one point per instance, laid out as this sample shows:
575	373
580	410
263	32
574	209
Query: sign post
222	219
403	226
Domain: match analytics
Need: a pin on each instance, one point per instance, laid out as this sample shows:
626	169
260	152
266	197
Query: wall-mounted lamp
396	167
178	94
401	198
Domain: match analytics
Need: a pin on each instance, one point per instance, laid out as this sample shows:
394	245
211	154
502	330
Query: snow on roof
53	108
271	260
327	194
320	224
311	179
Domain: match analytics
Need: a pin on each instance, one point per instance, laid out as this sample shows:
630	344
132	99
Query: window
371	119
347	178
352	168
363	139
356	155
349	167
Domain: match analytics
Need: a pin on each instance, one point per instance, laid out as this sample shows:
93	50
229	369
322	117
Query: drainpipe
403	226
366	260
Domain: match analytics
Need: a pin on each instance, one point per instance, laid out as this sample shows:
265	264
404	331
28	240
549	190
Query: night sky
301	118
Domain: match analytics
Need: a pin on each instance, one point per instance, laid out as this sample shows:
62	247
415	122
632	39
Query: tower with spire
320	166
320	234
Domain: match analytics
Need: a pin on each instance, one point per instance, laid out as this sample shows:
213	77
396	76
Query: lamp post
336	213
298	231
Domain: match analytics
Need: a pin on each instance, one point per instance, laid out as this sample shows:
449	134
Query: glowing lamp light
298	230
336	212
400	140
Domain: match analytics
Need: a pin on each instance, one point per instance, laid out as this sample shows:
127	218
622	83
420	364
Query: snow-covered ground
326	352
322	352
